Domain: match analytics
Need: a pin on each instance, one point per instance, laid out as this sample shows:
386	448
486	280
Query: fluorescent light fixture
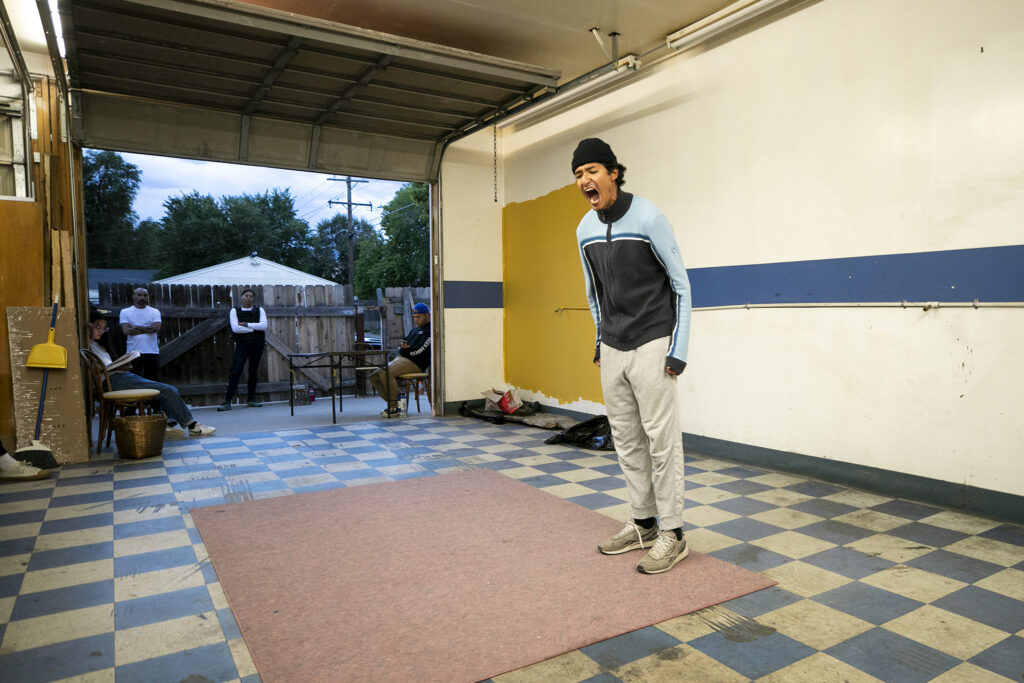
575	91
55	17
726	19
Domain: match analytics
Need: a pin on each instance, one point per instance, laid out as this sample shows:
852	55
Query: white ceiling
374	88
554	34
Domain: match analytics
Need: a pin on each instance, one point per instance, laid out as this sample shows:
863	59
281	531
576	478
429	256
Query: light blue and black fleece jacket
637	286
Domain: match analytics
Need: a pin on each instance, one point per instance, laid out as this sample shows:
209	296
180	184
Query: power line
315	197
351	230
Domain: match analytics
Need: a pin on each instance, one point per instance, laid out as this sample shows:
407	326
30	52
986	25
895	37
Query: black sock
192	424
679	533
645	523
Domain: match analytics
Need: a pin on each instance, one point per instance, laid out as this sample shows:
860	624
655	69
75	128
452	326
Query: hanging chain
495	129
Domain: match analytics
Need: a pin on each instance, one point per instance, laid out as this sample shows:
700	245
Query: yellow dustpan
48	355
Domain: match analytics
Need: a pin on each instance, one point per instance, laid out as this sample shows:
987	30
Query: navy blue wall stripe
473	294
986	274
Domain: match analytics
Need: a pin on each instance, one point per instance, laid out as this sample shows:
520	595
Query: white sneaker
174	433
666	553
20	471
201	430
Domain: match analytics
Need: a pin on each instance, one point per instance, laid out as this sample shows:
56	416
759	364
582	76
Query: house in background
250	270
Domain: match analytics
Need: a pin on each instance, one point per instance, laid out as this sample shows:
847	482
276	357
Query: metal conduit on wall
925	305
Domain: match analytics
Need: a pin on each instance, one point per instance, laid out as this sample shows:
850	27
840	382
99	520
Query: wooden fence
196	345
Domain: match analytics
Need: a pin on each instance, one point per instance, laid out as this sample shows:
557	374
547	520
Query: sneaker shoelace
636	529
663	545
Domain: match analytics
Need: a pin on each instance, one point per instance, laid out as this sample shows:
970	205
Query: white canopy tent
250	270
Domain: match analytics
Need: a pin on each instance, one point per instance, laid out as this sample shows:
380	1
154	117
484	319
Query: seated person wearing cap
413	356
170	400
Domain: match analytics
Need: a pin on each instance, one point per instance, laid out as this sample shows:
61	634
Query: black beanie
593	150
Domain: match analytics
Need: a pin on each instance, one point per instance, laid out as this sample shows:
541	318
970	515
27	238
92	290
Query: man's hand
405	345
671	371
597	362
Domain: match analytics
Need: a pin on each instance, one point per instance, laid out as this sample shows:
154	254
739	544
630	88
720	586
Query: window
15	113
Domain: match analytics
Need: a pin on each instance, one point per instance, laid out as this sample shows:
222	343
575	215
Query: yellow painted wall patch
546	351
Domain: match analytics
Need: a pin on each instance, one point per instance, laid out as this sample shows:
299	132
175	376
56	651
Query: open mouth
592	195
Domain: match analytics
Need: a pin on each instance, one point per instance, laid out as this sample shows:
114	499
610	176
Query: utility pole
351	228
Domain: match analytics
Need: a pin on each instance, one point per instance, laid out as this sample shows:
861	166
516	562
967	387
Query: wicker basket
140	436
300	395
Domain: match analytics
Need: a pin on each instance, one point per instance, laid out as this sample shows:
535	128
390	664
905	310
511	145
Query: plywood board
66	263
63	427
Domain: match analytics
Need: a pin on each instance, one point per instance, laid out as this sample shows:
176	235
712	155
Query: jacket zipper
610	287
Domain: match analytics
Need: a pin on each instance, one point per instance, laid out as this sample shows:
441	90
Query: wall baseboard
1005	507
985	502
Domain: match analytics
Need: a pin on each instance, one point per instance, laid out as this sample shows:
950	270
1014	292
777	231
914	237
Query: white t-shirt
141	317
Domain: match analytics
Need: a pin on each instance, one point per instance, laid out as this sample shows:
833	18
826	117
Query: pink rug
455	577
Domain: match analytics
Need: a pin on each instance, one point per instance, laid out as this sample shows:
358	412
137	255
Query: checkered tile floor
103	576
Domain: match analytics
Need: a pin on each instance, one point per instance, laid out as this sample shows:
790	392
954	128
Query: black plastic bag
478	408
595	434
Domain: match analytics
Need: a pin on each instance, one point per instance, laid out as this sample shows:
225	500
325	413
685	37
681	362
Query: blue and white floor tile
103	576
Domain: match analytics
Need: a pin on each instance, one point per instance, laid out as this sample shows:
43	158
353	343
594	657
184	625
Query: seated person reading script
170	400
413	356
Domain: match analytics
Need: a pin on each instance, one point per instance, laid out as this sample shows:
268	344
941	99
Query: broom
47	356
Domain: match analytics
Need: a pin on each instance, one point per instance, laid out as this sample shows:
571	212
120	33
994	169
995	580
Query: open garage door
229	81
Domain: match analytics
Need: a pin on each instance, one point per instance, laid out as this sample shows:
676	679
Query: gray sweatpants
643	412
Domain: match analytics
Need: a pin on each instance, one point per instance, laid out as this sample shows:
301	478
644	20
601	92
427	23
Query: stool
362	372
417	381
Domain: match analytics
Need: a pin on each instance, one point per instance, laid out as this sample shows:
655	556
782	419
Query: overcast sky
164	177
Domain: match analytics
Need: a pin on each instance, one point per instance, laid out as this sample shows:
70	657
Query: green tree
147	244
199	231
330	246
401	257
370	268
110	185
266	223
194	233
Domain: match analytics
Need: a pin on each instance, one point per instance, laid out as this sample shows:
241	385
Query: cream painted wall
472	347
471	251
844	129
932	393
471	217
